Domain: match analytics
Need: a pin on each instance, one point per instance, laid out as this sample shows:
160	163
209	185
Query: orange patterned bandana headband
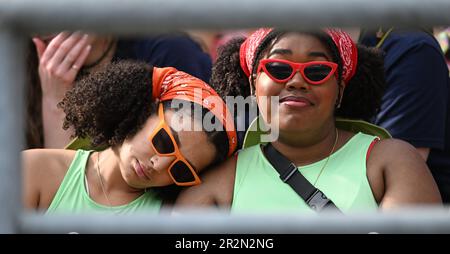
169	83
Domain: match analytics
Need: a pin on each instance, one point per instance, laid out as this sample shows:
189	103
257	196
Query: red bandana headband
248	49
169	83
347	50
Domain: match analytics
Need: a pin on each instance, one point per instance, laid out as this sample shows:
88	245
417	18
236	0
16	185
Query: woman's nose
297	82
160	163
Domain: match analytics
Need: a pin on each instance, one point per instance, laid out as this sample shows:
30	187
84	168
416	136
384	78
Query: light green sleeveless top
258	187
72	196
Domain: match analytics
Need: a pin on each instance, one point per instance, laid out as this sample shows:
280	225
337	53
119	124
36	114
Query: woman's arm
31	180
216	188
399	176
43	171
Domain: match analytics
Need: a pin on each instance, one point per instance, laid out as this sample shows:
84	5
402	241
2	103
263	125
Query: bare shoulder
389	151
43	172
394	144
216	187
398	175
49	161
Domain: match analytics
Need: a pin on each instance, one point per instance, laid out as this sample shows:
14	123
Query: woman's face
142	167
302	106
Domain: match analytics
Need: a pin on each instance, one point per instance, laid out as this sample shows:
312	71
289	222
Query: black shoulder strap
290	175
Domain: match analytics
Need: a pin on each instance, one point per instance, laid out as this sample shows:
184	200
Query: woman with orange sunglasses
133	110
315	162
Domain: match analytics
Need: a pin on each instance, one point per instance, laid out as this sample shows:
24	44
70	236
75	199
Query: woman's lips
295	101
140	171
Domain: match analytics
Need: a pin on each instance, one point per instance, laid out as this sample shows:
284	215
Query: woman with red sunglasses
144	117
317	77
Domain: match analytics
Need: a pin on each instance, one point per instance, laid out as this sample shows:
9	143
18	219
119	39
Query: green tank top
72	196
258	187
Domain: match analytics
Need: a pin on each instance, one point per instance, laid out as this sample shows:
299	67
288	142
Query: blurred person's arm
52	121
59	63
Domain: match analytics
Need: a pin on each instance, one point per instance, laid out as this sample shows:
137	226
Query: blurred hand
60	62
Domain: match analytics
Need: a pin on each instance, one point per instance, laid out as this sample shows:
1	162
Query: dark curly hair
227	78
363	93
110	105
362	96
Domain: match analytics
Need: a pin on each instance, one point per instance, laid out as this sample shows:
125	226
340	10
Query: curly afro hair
228	79
363	93
112	104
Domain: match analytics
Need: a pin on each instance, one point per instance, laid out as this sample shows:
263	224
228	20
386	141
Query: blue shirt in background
168	50
416	104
